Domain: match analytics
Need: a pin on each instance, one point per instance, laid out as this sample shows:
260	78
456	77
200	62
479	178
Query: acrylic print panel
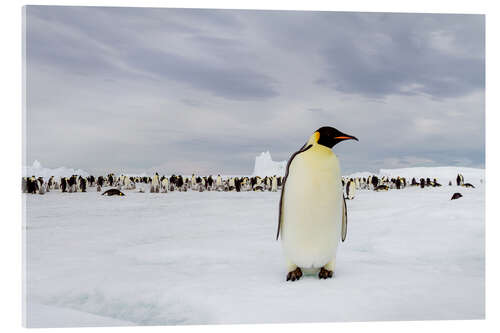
157	141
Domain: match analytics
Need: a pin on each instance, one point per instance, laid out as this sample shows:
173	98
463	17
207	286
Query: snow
52	316
265	166
212	258
38	170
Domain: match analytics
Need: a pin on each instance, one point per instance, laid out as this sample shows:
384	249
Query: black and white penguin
274	184
83	184
113	191
382	188
374	182
64	184
312	212
32	185
350	189
456	196
164	184
155	184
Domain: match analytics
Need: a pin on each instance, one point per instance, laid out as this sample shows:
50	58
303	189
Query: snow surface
211	258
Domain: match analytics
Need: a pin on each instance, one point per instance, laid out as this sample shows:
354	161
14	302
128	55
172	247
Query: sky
206	91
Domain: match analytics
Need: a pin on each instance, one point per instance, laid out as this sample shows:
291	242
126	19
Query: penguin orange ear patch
316	136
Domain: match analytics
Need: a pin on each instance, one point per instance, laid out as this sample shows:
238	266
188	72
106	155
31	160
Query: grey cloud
95	44
208	90
402	61
232	83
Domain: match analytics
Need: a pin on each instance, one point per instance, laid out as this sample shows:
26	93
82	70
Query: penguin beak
346	137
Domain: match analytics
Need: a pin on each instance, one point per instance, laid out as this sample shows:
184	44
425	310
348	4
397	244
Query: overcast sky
205	91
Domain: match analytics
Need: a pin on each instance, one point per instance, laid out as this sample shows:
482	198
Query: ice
212	257
37	170
265	166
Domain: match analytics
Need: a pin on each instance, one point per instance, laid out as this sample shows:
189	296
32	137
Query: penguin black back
456	196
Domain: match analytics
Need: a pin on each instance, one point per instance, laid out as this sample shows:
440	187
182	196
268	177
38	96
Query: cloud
406	54
208	90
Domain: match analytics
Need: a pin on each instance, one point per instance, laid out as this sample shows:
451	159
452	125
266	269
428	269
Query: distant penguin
31	185
40	185
382	188
312	211
64	184
237	184
155	184
456	196
375	182
274	184
83	184
468	185
164	185
350	189
231	184
113	191
218	183
193	182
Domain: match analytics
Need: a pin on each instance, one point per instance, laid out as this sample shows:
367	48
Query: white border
10	175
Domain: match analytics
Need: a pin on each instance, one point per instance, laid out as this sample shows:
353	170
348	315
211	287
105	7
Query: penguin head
329	137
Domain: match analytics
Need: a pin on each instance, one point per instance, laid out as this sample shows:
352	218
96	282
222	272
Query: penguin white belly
312	211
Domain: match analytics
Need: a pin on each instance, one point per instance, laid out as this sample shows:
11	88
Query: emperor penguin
164	185
193	182
350	189
274	186
312	210
155	184
218	183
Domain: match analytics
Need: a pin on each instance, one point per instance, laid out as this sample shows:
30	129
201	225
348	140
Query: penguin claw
294	275
325	274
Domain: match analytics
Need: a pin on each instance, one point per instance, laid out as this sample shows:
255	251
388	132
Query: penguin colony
156	184
163	184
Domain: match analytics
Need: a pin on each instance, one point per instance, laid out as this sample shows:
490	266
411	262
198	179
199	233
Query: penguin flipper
344	219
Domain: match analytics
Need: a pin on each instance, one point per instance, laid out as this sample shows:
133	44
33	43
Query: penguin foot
294	275
325	274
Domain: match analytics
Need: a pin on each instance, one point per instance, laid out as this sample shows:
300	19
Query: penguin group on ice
164	184
154	184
